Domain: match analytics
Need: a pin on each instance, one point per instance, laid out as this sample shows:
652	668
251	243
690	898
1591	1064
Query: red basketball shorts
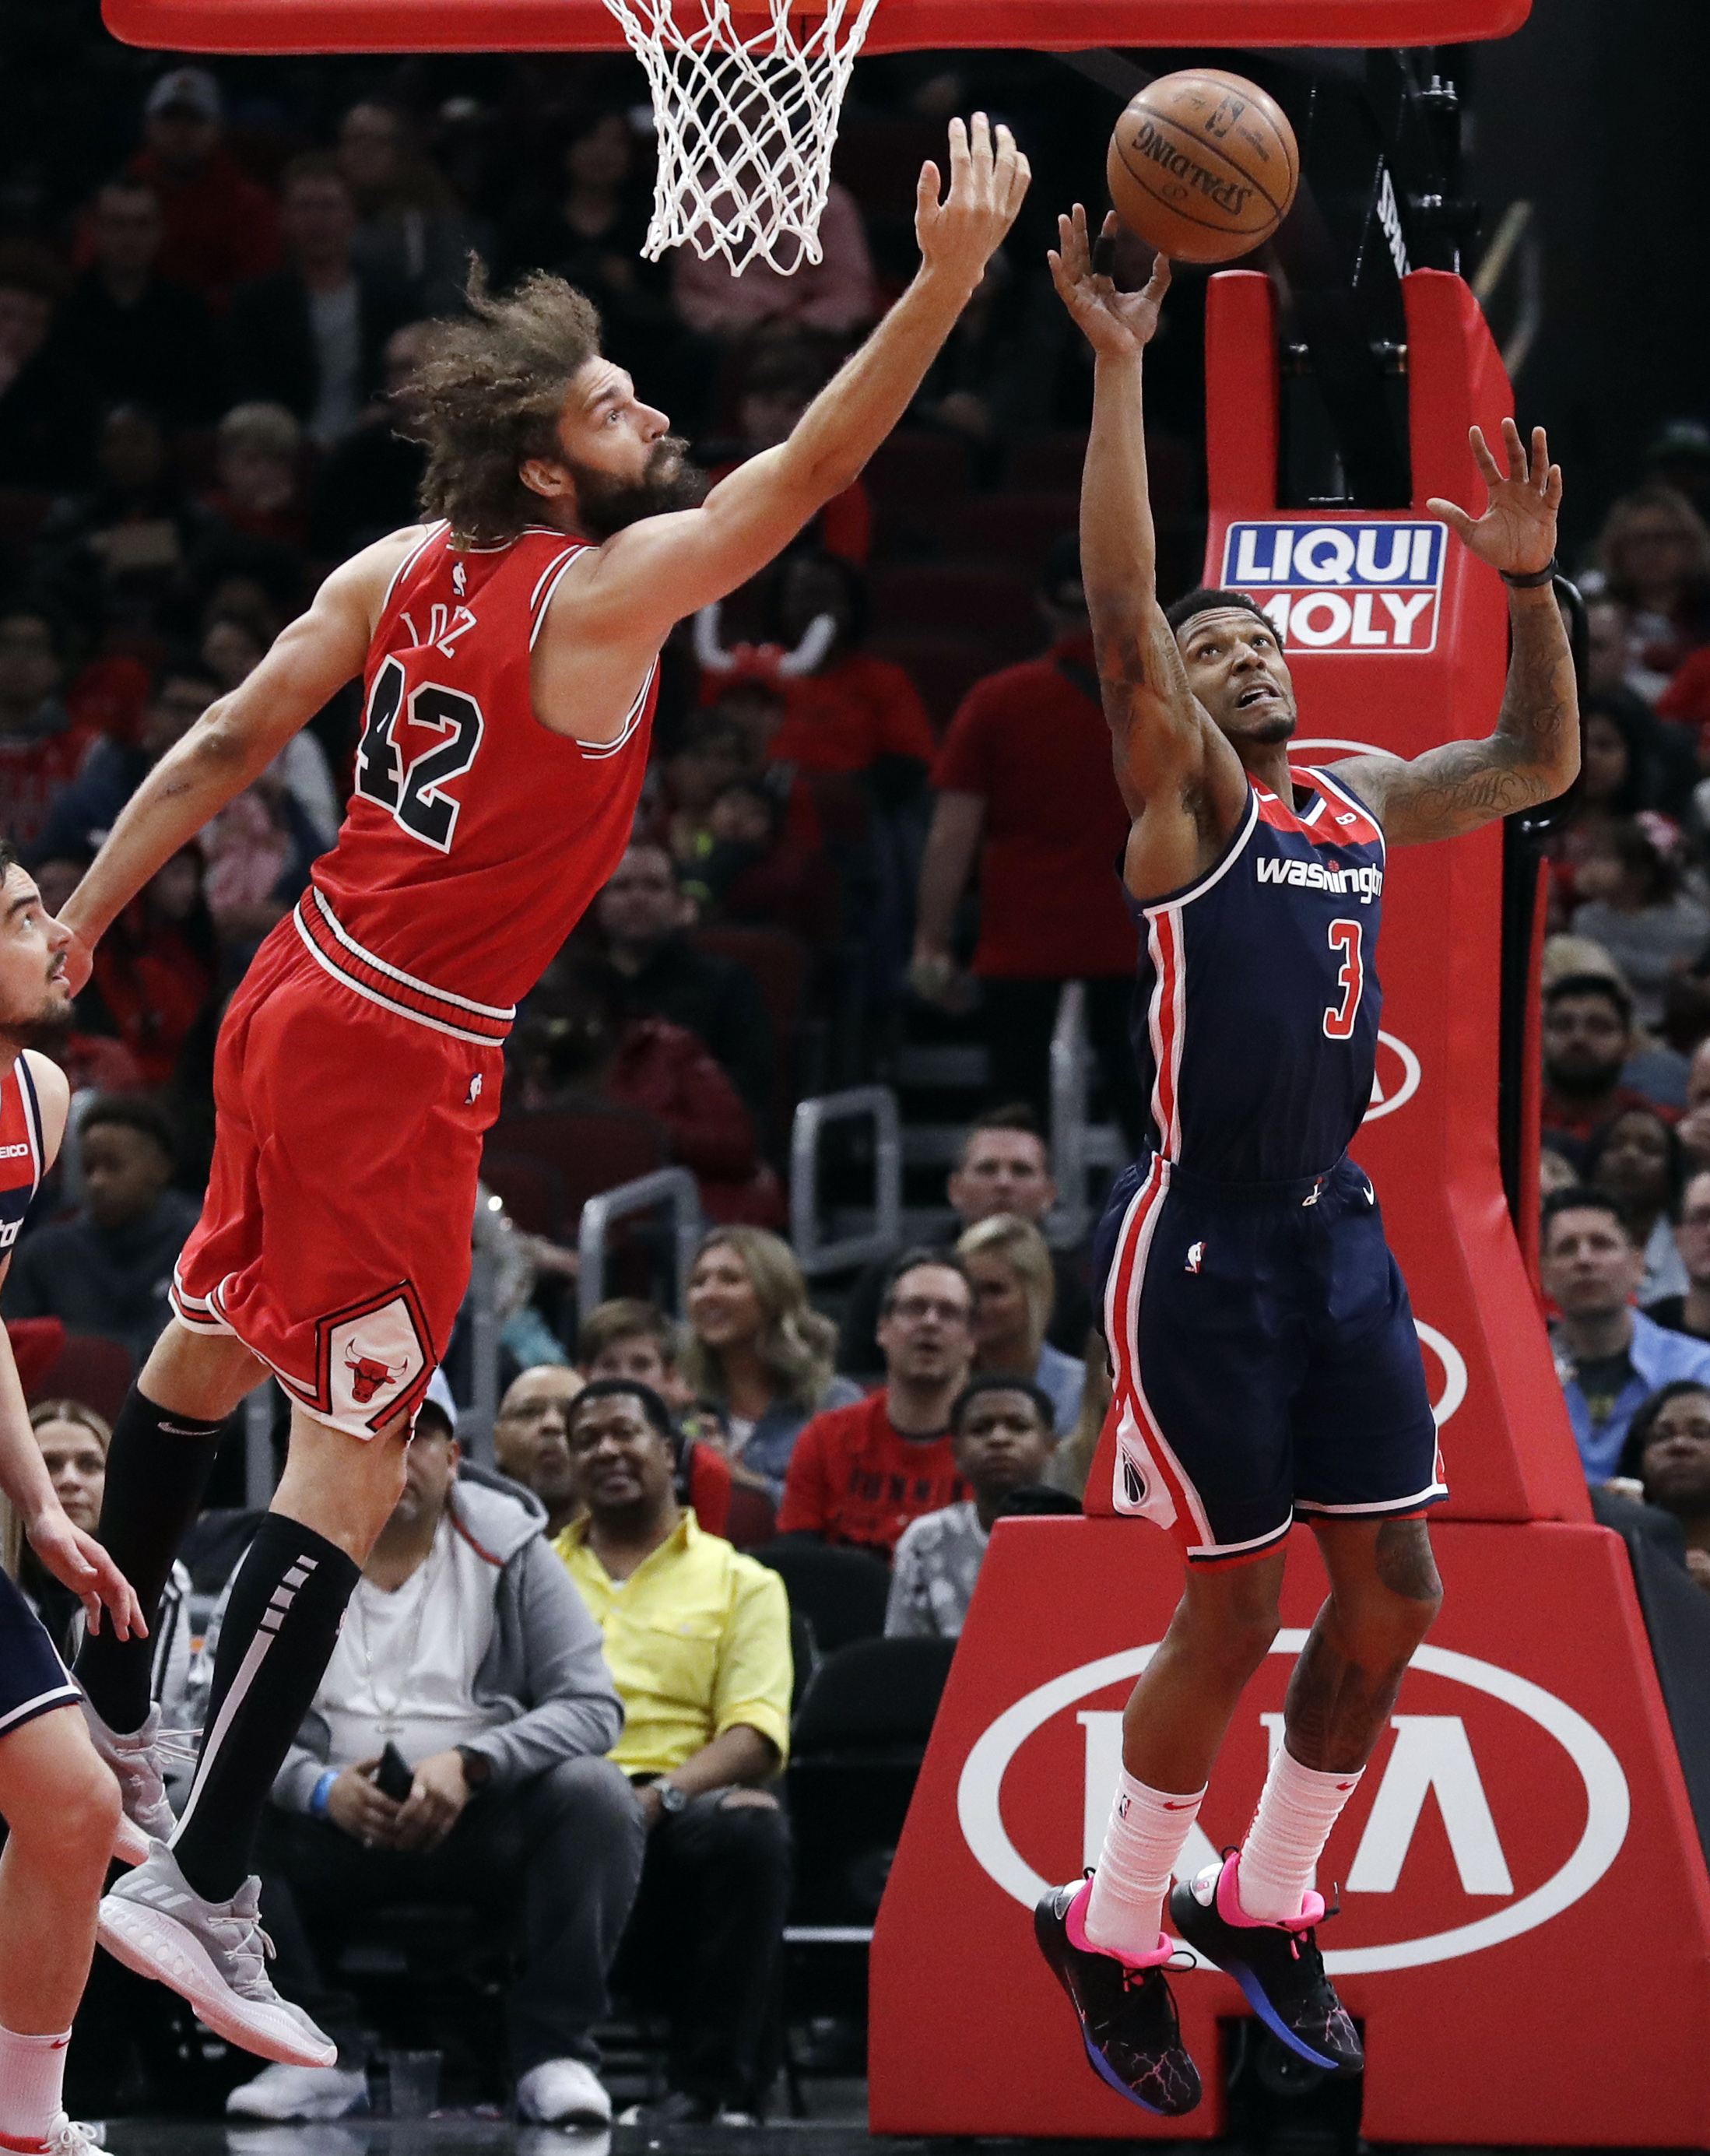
334	1241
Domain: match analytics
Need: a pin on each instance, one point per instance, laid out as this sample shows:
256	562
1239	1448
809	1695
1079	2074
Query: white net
746	125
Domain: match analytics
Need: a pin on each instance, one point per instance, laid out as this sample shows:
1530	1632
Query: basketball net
746	125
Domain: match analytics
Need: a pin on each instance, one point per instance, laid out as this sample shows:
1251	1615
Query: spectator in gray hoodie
468	1655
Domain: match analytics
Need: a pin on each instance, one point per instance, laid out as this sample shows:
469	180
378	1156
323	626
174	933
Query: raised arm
1183	783
233	741
1535	753
664	568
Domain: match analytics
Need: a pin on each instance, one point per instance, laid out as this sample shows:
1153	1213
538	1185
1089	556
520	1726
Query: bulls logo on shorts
372	1358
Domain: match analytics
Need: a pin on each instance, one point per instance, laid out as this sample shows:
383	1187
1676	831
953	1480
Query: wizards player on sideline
509	650
1266	1365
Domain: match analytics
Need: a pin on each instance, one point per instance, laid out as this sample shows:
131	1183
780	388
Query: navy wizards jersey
1256	1012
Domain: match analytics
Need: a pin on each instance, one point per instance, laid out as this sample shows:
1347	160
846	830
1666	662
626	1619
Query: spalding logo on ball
1203	165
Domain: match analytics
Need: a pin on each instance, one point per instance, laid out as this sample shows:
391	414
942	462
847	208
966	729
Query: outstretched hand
1517	531
1113	322
989	177
78	1561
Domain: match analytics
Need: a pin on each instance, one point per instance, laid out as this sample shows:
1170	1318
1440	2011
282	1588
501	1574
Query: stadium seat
532	1192
88	1368
856	1747
1017	525
752	1518
842	1592
778	961
590	1148
1055	461
942	667
979	599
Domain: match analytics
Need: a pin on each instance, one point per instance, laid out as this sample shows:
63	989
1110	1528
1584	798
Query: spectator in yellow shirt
697	1640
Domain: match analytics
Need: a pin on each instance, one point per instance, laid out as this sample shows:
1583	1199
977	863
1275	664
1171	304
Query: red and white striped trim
1170	1497
1166	1014
195	1313
1165	1020
434	531
341	956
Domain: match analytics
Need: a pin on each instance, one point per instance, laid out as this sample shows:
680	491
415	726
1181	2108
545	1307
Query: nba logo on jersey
1196	1257
1365	587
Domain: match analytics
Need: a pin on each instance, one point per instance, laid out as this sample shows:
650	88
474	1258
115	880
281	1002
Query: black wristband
477	1767
1547	575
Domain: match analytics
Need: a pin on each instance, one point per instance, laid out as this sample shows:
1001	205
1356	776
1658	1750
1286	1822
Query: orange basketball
1203	165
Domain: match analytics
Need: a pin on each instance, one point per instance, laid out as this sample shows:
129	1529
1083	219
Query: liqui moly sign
1362	586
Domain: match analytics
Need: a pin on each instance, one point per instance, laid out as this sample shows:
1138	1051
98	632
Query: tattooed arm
1535	753
1181	782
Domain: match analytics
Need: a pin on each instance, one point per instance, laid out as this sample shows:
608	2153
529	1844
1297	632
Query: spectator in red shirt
577	1041
1024	782
853	713
836	293
41	747
220	228
859	1475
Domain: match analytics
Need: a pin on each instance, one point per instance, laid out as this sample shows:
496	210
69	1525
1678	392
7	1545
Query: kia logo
1429	1751
1454	1362
1395	1080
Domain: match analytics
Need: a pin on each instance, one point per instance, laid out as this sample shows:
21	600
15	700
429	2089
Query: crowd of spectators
206	343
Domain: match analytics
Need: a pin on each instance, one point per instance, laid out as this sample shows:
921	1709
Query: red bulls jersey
1255	1017
475	838
23	1155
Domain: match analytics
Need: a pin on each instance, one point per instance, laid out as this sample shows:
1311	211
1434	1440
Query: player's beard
47	1028
606	504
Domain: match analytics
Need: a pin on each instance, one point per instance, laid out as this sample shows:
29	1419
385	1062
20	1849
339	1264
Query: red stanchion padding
1397	639
1525	1925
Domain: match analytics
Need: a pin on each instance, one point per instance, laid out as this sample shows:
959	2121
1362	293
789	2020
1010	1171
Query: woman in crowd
1015	1289
1637	1159
1616	783
1631	902
758	1350
157	969
1654	554
74	1441
1071	1463
1667	1456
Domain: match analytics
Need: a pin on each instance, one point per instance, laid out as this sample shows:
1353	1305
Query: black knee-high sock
280	1626
157	1468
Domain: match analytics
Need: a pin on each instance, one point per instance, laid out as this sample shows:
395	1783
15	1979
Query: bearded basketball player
60	1803
509	651
1266	1365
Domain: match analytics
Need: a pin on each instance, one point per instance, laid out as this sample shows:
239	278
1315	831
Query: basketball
1203	165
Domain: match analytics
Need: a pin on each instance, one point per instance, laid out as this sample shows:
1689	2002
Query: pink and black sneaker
1278	1966
1127	2017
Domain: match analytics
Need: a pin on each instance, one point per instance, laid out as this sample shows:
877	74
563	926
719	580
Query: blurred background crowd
852	864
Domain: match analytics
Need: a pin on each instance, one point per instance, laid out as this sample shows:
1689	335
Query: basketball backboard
417	25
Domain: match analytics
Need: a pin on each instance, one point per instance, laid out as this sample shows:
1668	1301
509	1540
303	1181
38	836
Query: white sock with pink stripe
1297	1808
1125	1910
32	2078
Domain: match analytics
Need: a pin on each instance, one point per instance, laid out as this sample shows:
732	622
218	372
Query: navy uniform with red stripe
33	1679
1267	1362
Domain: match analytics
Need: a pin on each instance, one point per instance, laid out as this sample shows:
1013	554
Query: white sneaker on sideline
212	1954
136	1761
317	2093
563	2093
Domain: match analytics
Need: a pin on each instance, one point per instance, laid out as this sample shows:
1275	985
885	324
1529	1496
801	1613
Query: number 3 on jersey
412	791
1338	1018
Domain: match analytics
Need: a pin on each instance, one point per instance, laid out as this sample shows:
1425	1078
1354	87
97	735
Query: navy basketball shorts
1265	1362
33	1679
